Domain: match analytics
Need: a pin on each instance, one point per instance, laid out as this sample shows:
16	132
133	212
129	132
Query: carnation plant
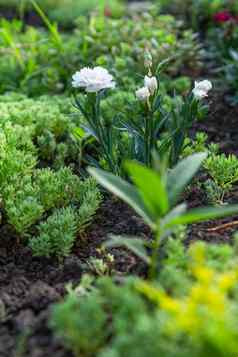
152	127
182	117
95	82
147	126
155	196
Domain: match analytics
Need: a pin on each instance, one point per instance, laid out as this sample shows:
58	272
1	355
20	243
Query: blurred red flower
107	11
223	16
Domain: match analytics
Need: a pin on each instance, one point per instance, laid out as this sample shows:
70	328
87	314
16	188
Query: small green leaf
125	191
203	214
79	133
182	174
135	245
151	188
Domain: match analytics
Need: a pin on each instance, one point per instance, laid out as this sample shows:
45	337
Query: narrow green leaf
51	27
174	213
151	188
203	214
135	245
182	174
125	191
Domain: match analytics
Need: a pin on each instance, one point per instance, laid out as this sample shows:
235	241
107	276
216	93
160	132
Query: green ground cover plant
50	121
29	195
188	310
224	173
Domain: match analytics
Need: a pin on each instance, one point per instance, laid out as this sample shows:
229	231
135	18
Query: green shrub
37	62
56	234
22	205
17	154
49	122
29	194
57	189
81	199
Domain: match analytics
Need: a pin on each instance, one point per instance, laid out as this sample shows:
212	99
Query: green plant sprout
154	195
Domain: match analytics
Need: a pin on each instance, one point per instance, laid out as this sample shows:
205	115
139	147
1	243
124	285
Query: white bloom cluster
201	89
93	79
150	87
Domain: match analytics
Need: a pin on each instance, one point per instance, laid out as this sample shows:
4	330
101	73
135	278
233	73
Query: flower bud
143	94
148	61
151	83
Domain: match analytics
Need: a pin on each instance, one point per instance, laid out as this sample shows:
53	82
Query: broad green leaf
135	245
151	188
203	214
181	175
125	191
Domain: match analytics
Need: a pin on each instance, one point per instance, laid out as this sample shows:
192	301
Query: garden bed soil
28	285
221	124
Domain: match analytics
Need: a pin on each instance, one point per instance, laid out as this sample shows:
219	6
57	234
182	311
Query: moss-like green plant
79	201
48	120
223	171
56	234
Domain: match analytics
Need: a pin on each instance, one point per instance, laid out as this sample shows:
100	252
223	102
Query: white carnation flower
201	89
143	94
93	79
151	83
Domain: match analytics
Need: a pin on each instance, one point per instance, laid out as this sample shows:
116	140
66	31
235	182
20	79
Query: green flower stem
155	253
148	137
103	134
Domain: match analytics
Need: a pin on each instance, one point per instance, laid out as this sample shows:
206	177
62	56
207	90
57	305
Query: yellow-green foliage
206	312
191	310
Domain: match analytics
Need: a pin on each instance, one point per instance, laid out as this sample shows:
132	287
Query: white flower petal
93	79
201	89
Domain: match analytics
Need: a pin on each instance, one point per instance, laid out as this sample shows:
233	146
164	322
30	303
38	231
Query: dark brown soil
221	125
29	17
28	285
